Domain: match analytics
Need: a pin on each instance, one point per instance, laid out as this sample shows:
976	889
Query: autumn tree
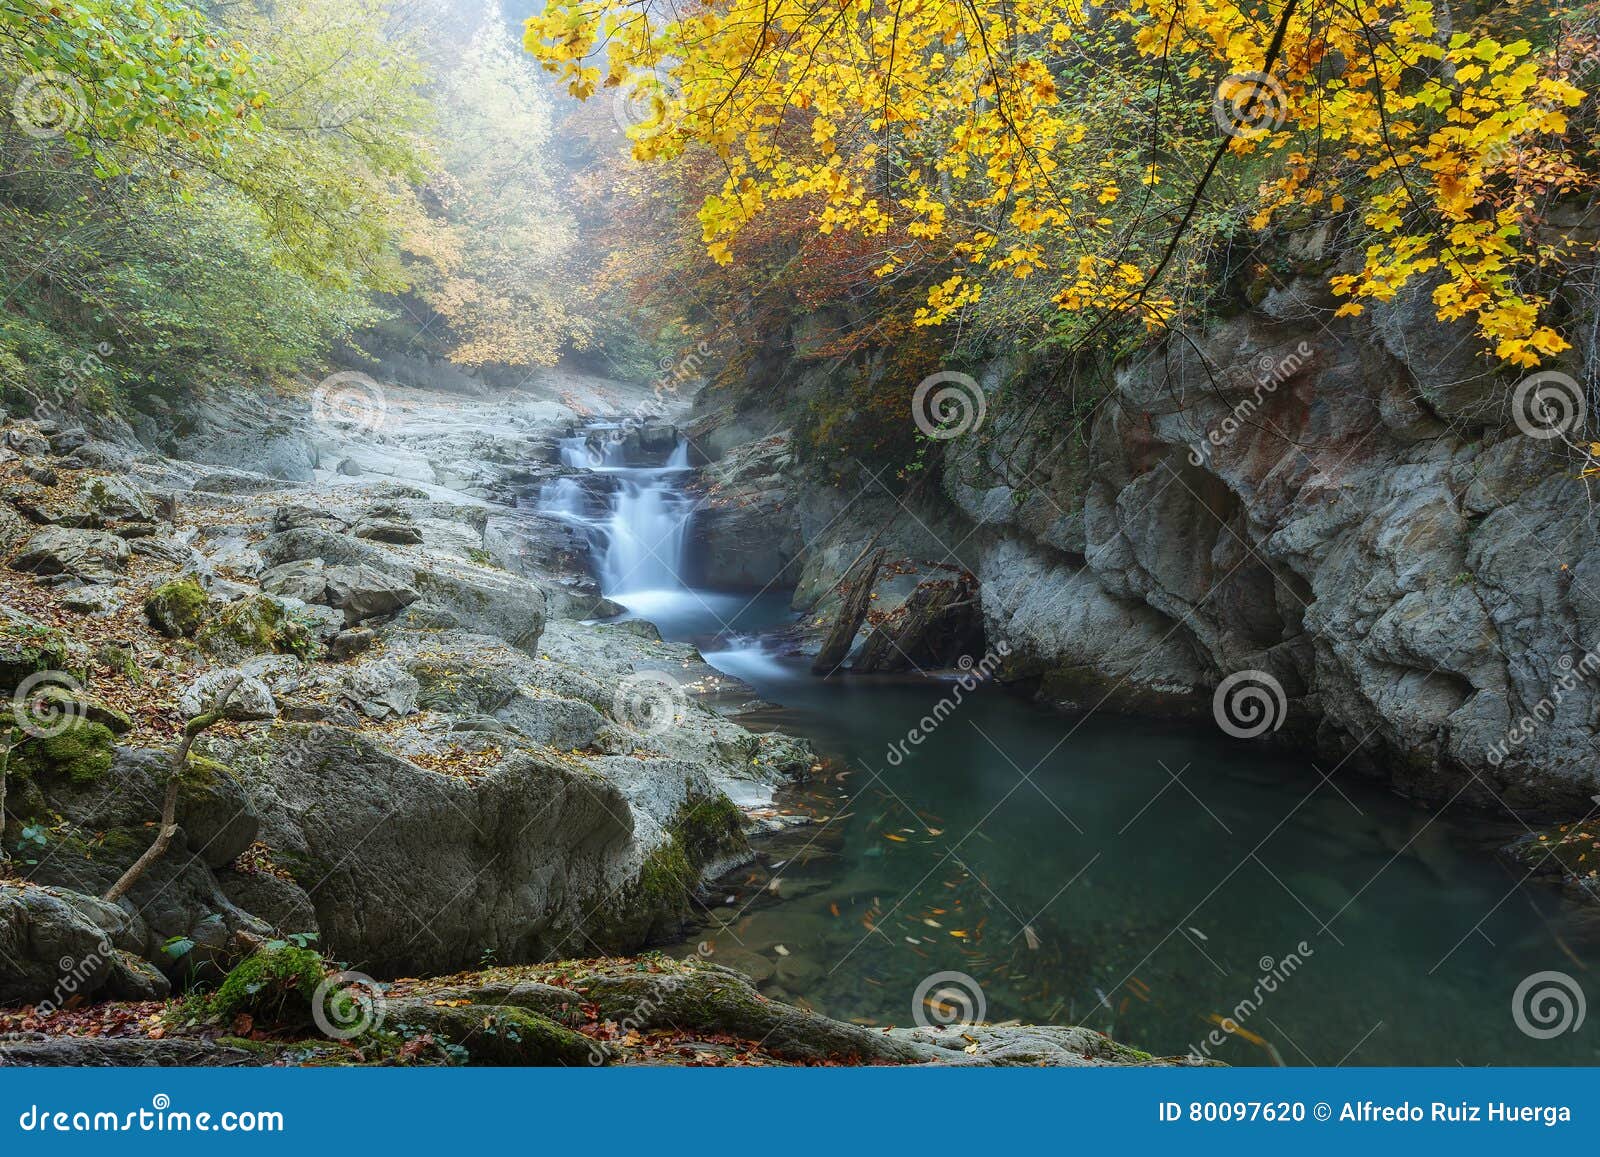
1106	151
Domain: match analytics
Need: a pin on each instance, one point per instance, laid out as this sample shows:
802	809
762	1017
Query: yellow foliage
1021	137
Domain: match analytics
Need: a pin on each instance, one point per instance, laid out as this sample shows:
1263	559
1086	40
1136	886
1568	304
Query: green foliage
187	201
275	984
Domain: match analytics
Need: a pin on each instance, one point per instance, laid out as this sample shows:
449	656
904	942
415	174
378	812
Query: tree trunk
169	803
854	608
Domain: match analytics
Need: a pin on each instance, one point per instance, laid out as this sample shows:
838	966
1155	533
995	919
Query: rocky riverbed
426	761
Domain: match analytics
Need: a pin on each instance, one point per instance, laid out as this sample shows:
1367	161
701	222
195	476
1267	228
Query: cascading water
636	520
639	541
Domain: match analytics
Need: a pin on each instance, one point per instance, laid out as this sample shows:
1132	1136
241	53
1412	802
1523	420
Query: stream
1174	888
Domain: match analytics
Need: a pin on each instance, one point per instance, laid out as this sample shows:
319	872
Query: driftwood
858	583
169	803
930	630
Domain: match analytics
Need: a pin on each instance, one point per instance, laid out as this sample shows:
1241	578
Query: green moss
707	828
275	984
258	626
506	1035
666	877
177	609
82	753
26	648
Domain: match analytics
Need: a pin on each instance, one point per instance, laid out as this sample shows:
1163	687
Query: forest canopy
1106	154
198	195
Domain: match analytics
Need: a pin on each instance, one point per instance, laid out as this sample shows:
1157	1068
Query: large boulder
50	948
366	592
412	871
305	580
91	555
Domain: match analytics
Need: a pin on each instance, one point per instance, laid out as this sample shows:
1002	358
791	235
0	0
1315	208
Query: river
1171	887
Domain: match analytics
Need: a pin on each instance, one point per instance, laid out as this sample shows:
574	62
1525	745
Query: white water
639	542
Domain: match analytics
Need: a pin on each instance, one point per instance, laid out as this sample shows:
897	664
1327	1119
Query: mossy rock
503	1034
82	753
275	984
27	648
177	609
707	829
257	625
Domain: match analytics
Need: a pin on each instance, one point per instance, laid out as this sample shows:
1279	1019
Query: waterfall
646	534
639	544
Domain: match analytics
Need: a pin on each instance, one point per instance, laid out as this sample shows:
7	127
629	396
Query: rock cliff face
1347	507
